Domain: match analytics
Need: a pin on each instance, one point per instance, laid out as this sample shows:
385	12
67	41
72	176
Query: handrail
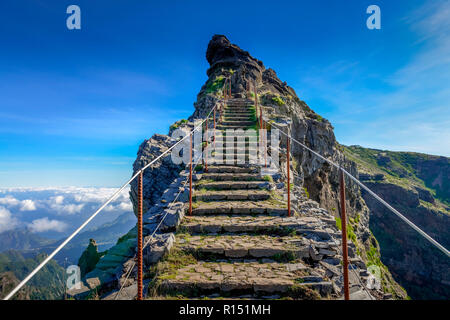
46	260
401	216
154	232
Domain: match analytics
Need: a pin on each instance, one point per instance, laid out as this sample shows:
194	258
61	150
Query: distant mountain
47	284
418	185
22	239
30	244
24	250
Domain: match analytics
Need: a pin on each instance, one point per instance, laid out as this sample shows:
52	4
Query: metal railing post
214	133
288	179
265	144
190	174
139	247
344	233
206	146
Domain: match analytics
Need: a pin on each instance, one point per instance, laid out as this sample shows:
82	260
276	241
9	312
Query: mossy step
231	169
238	123
231	195
235	117
231	176
245	223
287	248
245	277
232	185
240	207
235	127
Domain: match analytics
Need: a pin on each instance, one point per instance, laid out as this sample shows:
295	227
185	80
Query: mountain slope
418	186
47	284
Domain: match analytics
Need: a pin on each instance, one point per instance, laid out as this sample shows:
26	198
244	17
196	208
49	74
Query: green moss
278	100
306	192
214	86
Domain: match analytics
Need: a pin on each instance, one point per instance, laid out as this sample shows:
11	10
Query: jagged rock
89	258
158	246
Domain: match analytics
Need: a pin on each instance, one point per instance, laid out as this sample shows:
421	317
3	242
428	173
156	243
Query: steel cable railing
322	224
128	273
87	221
401	216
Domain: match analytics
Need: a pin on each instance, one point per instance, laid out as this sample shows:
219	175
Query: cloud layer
57	210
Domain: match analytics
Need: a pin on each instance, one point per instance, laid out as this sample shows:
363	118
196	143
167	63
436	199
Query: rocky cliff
416	185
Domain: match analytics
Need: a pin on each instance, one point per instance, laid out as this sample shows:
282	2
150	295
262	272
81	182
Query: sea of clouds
53	212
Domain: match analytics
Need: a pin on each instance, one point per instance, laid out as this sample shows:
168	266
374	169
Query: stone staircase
239	241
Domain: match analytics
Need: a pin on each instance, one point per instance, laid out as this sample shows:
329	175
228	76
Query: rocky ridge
315	253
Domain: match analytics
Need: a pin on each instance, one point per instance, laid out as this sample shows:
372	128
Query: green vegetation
306	192
268	178
47	284
278	101
214	86
177	124
405	169
350	230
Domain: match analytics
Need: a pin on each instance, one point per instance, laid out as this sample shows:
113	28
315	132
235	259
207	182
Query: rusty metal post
139	246
288	178
265	145
214	129
344	234
190	174
206	147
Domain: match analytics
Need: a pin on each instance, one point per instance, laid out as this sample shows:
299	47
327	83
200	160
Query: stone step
239	207
220	135
232	169
241	112
231	176
250	224
239	109
237	123
284	249
231	195
235	127
261	279
232	185
229	119
236	157
235	149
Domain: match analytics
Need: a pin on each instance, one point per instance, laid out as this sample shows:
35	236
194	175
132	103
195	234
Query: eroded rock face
158	176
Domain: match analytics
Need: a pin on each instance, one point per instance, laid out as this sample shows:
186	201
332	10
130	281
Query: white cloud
44	224
7	222
58	199
70	205
27	205
9	201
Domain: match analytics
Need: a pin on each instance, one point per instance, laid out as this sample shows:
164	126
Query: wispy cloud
44	224
7	221
55	209
407	109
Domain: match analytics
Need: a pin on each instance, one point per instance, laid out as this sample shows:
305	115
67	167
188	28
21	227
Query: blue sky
75	105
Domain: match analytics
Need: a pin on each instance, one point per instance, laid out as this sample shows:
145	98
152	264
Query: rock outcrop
89	258
314	198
